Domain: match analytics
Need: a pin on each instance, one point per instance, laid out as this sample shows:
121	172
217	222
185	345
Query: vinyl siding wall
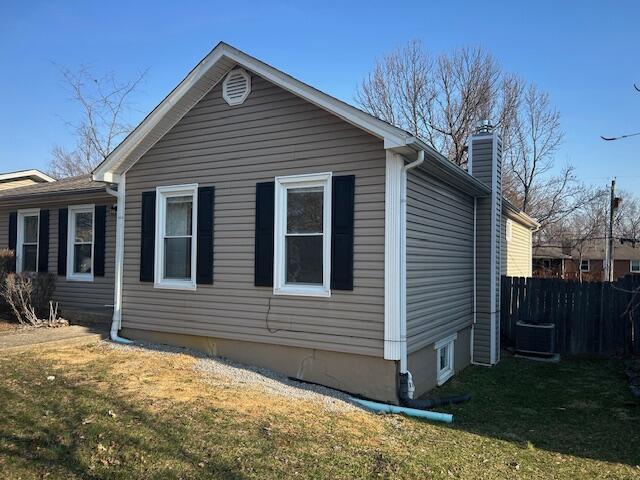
272	133
439	260
96	296
516	254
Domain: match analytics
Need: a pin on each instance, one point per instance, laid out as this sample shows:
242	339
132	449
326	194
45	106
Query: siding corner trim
392	226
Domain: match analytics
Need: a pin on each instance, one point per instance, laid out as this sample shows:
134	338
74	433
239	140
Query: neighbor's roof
33	174
212	69
593	251
80	184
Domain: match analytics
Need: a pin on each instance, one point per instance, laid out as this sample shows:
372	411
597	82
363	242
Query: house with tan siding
66	228
23	178
260	219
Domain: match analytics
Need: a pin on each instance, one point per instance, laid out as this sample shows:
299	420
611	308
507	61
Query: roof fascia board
26	174
515	213
106	171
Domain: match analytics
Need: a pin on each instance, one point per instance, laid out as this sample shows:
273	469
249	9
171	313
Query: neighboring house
23	178
586	263
517	231
67	228
265	221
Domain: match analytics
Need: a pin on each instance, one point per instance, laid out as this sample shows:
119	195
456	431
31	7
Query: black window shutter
13	237
148	236
43	242
63	217
264	234
204	259
342	202
99	240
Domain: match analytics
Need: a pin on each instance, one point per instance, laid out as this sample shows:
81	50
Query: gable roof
212	69
79	184
33	174
199	82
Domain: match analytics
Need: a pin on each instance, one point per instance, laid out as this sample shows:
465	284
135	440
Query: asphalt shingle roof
82	183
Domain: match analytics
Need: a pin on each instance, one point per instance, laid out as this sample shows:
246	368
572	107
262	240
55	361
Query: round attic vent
236	87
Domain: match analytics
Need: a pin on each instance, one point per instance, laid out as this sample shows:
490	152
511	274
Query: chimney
485	163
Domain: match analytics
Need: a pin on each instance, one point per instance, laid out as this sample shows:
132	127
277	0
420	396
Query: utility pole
609	252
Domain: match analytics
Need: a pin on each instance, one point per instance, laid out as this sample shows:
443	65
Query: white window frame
71	237
162	193
280	287
588	265
631	269
28	212
508	230
445	373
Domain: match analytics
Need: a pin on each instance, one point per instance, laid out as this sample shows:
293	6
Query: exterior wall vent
236	86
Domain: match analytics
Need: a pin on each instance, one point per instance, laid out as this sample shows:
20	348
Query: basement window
302	249
444	358
27	240
175	262
635	266
584	266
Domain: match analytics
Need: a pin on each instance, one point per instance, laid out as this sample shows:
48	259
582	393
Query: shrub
28	296
7	262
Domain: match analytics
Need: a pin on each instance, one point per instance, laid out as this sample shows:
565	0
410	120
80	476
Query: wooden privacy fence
590	318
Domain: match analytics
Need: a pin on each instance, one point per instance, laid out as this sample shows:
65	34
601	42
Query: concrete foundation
371	377
423	363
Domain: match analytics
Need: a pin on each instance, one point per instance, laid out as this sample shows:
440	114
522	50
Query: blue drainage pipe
412	412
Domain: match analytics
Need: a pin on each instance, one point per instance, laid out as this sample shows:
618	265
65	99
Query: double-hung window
635	266
176	218
585	266
302	249
80	241
27	240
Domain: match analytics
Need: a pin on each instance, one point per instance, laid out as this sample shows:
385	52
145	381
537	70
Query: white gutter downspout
403	262
116	322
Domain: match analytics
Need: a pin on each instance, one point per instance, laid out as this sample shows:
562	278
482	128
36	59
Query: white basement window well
635	266
444	358
28	229
175	252
302	250
80	241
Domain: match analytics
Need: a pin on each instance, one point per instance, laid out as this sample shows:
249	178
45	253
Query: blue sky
586	54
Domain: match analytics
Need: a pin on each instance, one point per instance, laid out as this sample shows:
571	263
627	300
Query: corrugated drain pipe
116	320
406	382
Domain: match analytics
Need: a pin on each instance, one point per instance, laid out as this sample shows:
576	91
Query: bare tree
440	98
104	105
627	221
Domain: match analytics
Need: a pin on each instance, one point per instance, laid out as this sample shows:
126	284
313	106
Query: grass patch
132	414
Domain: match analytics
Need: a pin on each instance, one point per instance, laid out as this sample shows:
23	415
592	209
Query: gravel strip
222	371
